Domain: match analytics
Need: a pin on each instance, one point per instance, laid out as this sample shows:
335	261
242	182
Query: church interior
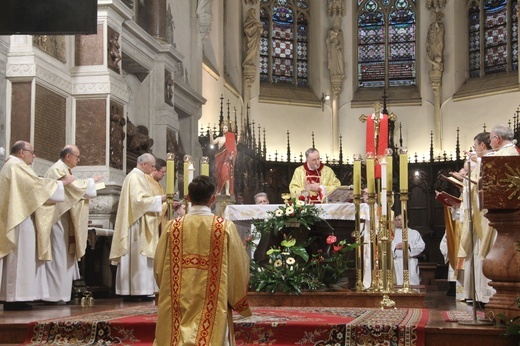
164	76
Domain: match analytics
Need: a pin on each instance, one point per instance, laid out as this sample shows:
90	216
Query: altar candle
383	186
170	174
187	160
357	175
403	169
191	169
370	175
204	166
389	168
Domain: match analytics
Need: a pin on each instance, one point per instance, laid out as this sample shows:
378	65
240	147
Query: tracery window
493	37
284	53
386	43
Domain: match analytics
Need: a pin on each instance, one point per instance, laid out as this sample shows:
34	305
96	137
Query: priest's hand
66	180
98	178
313	187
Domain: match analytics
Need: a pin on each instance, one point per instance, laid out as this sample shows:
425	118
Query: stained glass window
386	43
284	43
493	37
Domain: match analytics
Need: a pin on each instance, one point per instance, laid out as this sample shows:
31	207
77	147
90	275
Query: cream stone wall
417	121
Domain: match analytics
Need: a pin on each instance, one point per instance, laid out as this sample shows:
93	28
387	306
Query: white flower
278	212
304	211
286	253
289	211
300	203
291	268
290	261
278	263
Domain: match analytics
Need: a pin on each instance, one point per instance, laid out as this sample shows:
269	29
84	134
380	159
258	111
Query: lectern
501	197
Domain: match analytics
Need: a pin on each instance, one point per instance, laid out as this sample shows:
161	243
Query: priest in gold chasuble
24	236
313	179
136	234
70	226
202	270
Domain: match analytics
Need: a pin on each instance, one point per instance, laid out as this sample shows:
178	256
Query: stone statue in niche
170	27
114	53
253	31
138	140
335	57
435	42
168	88
175	147
117	137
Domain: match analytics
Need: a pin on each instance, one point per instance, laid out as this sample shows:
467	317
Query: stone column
155	18
435	56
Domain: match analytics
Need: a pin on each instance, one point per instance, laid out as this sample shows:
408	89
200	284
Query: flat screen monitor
48	17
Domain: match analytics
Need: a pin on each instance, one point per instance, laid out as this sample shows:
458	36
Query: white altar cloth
340	211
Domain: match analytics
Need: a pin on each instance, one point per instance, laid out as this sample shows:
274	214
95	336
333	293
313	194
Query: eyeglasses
31	151
76	156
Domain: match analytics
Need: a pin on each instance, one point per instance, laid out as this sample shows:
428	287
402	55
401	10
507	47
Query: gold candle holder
357	232
170	185
374	284
403	156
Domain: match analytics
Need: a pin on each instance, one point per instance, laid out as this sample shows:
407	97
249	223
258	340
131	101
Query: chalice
286	196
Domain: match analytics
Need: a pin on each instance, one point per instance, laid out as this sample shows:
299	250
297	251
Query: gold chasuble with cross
303	175
202	270
22	192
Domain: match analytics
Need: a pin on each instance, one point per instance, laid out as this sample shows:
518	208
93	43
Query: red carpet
458	315
267	326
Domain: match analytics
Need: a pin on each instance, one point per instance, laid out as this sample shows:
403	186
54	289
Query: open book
458	182
448	200
342	194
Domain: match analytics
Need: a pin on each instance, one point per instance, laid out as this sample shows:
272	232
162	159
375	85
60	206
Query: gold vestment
22	192
135	200
202	270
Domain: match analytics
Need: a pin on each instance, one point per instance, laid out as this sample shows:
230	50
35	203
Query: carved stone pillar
155	18
435	56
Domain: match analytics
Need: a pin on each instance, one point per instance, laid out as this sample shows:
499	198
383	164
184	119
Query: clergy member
313	178
415	247
202	271
501	140
24	244
136	234
70	226
154	180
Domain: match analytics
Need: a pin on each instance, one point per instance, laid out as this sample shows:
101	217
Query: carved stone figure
435	42
168	88
170	27
114	56
117	137
335	57
138	140
253	30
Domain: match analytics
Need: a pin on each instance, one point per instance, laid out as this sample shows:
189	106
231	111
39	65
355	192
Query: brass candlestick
404	214
357	233
374	284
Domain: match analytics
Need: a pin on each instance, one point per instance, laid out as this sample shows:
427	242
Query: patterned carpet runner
267	326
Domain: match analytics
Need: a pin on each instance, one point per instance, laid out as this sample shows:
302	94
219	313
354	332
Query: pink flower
331	239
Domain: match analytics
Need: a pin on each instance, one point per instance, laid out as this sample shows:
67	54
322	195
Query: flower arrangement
287	270
330	267
293	214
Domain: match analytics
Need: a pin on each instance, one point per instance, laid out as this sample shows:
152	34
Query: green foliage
287	270
295	211
512	325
